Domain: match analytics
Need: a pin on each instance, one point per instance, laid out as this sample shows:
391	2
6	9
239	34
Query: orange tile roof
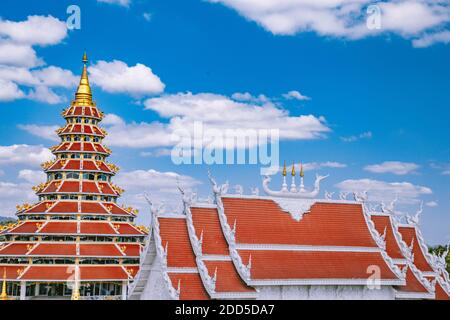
92	207
228	280
97	228
420	261
59	227
413	285
392	246
100	250
174	231
65	207
12	271
191	286
103	273
441	294
263	222
207	220
26	227
15	248
273	265
52	249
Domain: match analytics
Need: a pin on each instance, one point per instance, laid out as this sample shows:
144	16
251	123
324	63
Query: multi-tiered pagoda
76	241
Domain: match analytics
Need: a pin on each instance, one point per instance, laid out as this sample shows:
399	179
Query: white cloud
9	91
395	167
407	192
56	77
32	176
222	113
118	77
246	96
12	194
343	18
309	166
19	55
46	132
295	95
147	16
161	152
36	30
45	94
124	3
160	186
138	135
364	135
430	39
432	204
215	112
28	155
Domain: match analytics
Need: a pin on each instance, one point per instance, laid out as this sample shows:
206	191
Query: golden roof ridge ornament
84	94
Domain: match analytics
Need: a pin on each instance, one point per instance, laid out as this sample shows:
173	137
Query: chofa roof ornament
293	192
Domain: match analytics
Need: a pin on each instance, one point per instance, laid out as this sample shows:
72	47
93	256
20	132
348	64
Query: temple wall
324	293
156	288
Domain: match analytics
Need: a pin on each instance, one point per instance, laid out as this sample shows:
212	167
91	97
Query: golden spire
4	295
302	173
84	94
293	170
284	169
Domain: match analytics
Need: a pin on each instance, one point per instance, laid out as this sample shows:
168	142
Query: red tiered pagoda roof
77	219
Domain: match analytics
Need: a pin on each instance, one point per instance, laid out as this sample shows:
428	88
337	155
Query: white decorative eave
381	242
424	249
244	271
162	254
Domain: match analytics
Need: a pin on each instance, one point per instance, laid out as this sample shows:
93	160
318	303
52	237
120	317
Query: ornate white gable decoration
295	207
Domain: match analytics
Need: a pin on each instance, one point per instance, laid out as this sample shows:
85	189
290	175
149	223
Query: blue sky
384	96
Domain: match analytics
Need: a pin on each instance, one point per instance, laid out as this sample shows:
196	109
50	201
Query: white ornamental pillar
124	290
23	290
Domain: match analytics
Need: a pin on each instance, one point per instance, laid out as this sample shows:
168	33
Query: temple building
288	244
76	241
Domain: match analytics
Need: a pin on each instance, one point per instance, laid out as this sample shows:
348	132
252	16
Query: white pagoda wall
325	293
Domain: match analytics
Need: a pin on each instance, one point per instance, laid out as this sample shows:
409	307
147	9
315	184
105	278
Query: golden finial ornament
284	170
84	93
4	295
302	172
293	170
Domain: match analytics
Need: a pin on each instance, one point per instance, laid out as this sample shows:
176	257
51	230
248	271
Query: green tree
440	250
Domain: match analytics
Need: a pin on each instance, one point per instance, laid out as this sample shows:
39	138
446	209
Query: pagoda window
88	176
58	176
94	218
120	219
87	156
78	120
96	139
130	261
63	156
52	197
127	239
88	198
103	177
73	175
76	138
